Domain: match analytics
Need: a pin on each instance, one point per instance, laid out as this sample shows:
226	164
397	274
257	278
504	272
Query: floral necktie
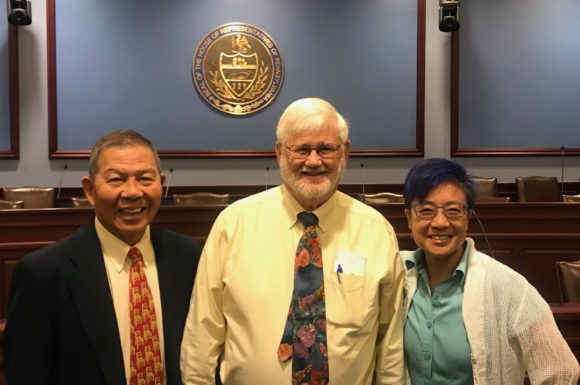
304	338
146	365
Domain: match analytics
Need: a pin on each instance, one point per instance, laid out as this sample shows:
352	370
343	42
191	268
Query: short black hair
429	173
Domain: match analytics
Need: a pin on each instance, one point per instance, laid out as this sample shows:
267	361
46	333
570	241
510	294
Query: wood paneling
10	253
529	237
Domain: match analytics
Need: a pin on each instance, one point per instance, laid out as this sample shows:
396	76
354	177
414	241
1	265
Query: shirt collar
292	208
462	265
412	259
117	250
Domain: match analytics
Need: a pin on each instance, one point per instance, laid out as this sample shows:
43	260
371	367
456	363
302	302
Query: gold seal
237	69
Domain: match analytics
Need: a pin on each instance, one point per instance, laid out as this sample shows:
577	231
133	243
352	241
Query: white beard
314	194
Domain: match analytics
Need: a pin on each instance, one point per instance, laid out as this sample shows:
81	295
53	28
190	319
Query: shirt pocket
348	300
349	283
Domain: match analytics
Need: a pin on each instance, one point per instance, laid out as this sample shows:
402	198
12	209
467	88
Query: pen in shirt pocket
338	272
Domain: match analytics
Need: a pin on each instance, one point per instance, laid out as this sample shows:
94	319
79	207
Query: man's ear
346	149
278	149
409	219
88	186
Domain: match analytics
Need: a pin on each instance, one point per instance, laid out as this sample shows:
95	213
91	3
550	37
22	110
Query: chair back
571	198
80	202
33	197
201	199
382	198
9	205
485	187
569	280
538	189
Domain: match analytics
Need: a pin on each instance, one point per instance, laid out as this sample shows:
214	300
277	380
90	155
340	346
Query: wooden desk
2	324
528	237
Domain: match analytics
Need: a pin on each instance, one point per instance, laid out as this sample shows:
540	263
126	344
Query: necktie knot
135	254
308	219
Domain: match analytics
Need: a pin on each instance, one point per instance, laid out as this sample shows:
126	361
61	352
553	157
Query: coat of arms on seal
237	69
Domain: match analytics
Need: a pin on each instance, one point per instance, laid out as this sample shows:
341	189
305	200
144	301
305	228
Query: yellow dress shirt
118	267
244	286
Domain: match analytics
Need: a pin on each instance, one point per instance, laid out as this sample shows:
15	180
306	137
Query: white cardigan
510	327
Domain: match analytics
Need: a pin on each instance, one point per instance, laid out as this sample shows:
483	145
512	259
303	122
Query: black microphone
167	180
267	171
60	184
362	166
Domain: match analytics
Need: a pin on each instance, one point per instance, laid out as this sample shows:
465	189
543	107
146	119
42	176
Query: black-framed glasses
324	151
429	211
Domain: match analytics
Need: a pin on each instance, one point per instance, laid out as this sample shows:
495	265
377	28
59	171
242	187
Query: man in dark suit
73	318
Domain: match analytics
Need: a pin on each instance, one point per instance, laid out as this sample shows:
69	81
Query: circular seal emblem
237	69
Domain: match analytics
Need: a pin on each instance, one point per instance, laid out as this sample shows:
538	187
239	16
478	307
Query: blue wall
519	74
128	64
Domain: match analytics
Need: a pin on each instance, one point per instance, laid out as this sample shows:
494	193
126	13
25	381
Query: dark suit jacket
61	327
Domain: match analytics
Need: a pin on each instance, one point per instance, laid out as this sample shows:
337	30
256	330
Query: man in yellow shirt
246	277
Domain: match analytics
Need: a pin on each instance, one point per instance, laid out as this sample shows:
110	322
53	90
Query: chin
309	190
133	227
315	191
444	254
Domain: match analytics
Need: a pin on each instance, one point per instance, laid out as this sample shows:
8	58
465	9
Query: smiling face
440	238
312	180
125	191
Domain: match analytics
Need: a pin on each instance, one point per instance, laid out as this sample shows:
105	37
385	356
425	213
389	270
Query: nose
440	220
132	189
313	160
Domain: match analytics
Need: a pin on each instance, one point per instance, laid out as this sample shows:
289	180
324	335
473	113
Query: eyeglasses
325	151
429	211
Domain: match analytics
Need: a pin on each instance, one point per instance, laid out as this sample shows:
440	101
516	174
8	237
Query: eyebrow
319	144
448	203
119	171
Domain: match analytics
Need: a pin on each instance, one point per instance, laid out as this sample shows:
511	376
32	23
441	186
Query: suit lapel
91	294
164	259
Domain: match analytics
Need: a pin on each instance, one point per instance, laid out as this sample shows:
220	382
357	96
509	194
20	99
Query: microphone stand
562	187
60	185
167	184
362	166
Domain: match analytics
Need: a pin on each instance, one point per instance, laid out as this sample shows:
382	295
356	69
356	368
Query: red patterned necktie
304	338
146	364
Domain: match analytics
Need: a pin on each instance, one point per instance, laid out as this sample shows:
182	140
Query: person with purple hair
470	319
